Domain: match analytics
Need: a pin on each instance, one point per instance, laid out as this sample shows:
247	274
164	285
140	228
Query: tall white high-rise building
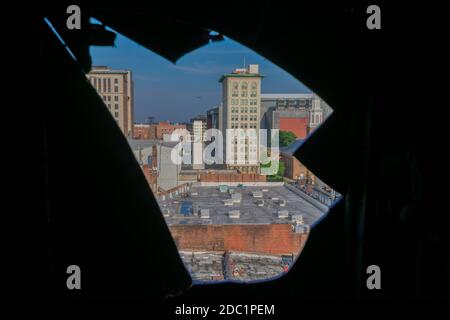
241	100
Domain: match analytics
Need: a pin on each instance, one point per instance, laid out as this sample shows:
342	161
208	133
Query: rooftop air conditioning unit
204	213
166	212
257	194
297	218
228	202
301	228
236	197
234	214
283	214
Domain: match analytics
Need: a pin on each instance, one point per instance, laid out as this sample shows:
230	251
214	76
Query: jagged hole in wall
231	221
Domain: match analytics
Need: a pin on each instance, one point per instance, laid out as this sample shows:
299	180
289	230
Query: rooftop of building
135	144
240	75
186	210
240	266
251	71
106	70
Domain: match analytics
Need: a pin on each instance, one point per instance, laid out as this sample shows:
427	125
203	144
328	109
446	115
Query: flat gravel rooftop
250	213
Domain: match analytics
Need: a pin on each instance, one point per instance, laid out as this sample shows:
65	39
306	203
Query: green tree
280	172
281	169
286	138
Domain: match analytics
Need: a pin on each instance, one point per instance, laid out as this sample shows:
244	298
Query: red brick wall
158	130
141	132
293	167
299	126
269	239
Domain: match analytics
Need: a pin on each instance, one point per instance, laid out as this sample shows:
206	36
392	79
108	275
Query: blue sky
177	92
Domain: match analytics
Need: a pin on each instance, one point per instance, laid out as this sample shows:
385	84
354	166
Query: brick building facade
262	238
141	131
157	131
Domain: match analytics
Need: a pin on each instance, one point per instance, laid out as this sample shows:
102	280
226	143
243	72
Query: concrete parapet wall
306	197
235	184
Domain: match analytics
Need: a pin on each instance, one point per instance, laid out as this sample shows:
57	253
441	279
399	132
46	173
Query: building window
116	81
116	114
235	85
244	93
116	106
244	102
254	86
244	85
116	89
109	84
116	98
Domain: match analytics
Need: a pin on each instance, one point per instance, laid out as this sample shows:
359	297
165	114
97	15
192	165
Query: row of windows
244	102
243	126
244	109
244	118
116	106
104	84
317	118
235	93
242	141
243	160
250	150
244	85
108	98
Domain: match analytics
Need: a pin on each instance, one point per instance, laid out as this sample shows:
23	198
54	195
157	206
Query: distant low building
154	157
197	127
157	131
298	113
141	131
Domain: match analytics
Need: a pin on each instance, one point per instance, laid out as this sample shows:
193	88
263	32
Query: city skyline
176	92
